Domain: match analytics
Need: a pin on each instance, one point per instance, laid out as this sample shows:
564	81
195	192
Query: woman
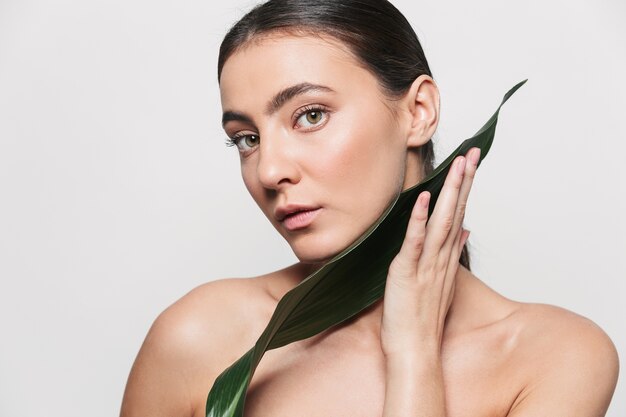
332	107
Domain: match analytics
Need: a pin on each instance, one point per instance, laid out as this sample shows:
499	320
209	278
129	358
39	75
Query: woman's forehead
262	65
304	37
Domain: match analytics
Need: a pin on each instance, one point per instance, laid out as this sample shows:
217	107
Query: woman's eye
244	142
311	117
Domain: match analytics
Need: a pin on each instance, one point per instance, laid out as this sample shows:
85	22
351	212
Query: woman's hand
418	293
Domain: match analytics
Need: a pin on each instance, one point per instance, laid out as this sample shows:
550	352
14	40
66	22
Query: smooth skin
440	343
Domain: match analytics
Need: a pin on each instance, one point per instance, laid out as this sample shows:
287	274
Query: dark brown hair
375	31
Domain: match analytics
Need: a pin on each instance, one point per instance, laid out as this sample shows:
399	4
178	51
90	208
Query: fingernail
474	156
467	233
460	166
424	199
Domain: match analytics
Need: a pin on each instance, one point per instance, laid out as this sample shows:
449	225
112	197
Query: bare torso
496	354
342	374
341	371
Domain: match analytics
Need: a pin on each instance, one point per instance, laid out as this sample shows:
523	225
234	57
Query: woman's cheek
343	150
349	158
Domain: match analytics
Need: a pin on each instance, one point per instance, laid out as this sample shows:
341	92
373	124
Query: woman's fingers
415	233
468	178
442	218
464	235
444	226
447	257
437	240
420	280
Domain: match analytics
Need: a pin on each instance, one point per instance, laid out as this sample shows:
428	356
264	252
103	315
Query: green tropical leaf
346	285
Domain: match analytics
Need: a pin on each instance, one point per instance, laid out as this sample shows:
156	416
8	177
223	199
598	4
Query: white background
117	195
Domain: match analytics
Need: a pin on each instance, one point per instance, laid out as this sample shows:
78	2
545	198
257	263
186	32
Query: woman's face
316	137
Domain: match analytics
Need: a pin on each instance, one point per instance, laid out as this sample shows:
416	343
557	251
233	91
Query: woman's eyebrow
276	102
288	93
233	116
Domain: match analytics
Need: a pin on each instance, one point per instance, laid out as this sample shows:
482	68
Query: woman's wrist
414	361
409	351
414	384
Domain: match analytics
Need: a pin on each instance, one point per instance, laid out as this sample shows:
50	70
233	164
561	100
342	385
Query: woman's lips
300	219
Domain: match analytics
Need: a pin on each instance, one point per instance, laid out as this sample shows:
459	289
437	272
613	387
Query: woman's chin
318	250
313	256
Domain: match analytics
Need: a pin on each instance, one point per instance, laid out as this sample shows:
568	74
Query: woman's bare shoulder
565	353
220	306
228	308
223	309
548	325
196	338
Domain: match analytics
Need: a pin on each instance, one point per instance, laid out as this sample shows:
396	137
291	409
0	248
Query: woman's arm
157	384
418	294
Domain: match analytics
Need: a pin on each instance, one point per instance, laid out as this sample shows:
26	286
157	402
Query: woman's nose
277	164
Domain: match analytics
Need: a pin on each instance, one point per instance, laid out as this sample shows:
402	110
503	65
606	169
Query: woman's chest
317	383
351	382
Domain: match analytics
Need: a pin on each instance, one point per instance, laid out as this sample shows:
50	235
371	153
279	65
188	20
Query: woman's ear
422	104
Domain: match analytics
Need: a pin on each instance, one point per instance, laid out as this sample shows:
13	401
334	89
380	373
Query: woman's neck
369	321
473	305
